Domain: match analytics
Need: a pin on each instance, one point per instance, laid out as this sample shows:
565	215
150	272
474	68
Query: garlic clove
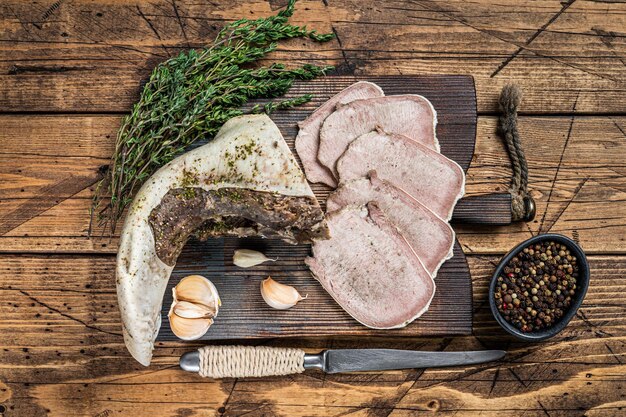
196	303
190	310
189	329
246	258
279	296
198	290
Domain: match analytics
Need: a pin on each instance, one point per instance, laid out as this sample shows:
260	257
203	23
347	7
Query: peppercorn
536	287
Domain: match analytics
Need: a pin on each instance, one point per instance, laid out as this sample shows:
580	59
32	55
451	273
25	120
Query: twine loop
522	204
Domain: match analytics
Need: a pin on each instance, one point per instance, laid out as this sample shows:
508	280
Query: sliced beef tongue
244	182
388	217
426	175
307	141
430	237
409	115
370	269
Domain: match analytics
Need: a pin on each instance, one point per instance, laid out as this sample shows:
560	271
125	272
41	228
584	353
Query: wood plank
580	195
85	55
244	314
576	180
61	351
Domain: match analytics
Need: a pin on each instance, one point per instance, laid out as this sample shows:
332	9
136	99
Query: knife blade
351	360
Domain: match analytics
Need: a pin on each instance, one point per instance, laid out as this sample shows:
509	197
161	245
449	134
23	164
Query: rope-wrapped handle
249	361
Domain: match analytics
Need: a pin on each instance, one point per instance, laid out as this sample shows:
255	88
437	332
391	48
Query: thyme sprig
190	96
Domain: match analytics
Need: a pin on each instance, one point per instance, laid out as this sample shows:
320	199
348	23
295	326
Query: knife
251	361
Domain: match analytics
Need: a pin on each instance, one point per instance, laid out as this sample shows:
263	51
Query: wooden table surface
70	69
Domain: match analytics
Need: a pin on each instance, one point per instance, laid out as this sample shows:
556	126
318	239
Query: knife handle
244	361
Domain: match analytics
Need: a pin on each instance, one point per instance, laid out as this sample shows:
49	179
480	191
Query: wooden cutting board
244	314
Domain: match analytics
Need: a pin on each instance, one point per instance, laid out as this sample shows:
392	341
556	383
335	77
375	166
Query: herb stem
190	96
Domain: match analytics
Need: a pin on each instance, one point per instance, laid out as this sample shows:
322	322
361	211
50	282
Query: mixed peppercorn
536	287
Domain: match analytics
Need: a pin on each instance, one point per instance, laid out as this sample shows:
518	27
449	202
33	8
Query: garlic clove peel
279	296
246	258
189	310
189	329
196	303
198	290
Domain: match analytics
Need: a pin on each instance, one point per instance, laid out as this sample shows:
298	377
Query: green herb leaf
190	96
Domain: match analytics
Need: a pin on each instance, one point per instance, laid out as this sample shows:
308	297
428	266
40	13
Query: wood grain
91	55
475	209
588	176
244	314
61	350
68	68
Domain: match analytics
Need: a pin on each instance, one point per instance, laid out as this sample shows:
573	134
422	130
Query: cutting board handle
489	209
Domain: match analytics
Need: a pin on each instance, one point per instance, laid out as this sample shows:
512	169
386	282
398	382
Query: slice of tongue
430	237
410	115
426	175
370	269
307	141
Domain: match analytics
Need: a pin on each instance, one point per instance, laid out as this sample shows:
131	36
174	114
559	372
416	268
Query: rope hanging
522	204
249	361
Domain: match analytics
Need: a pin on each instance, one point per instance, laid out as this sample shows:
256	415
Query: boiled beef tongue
430	237
409	115
307	141
245	182
426	175
370	269
388	217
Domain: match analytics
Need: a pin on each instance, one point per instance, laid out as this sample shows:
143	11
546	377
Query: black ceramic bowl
582	283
